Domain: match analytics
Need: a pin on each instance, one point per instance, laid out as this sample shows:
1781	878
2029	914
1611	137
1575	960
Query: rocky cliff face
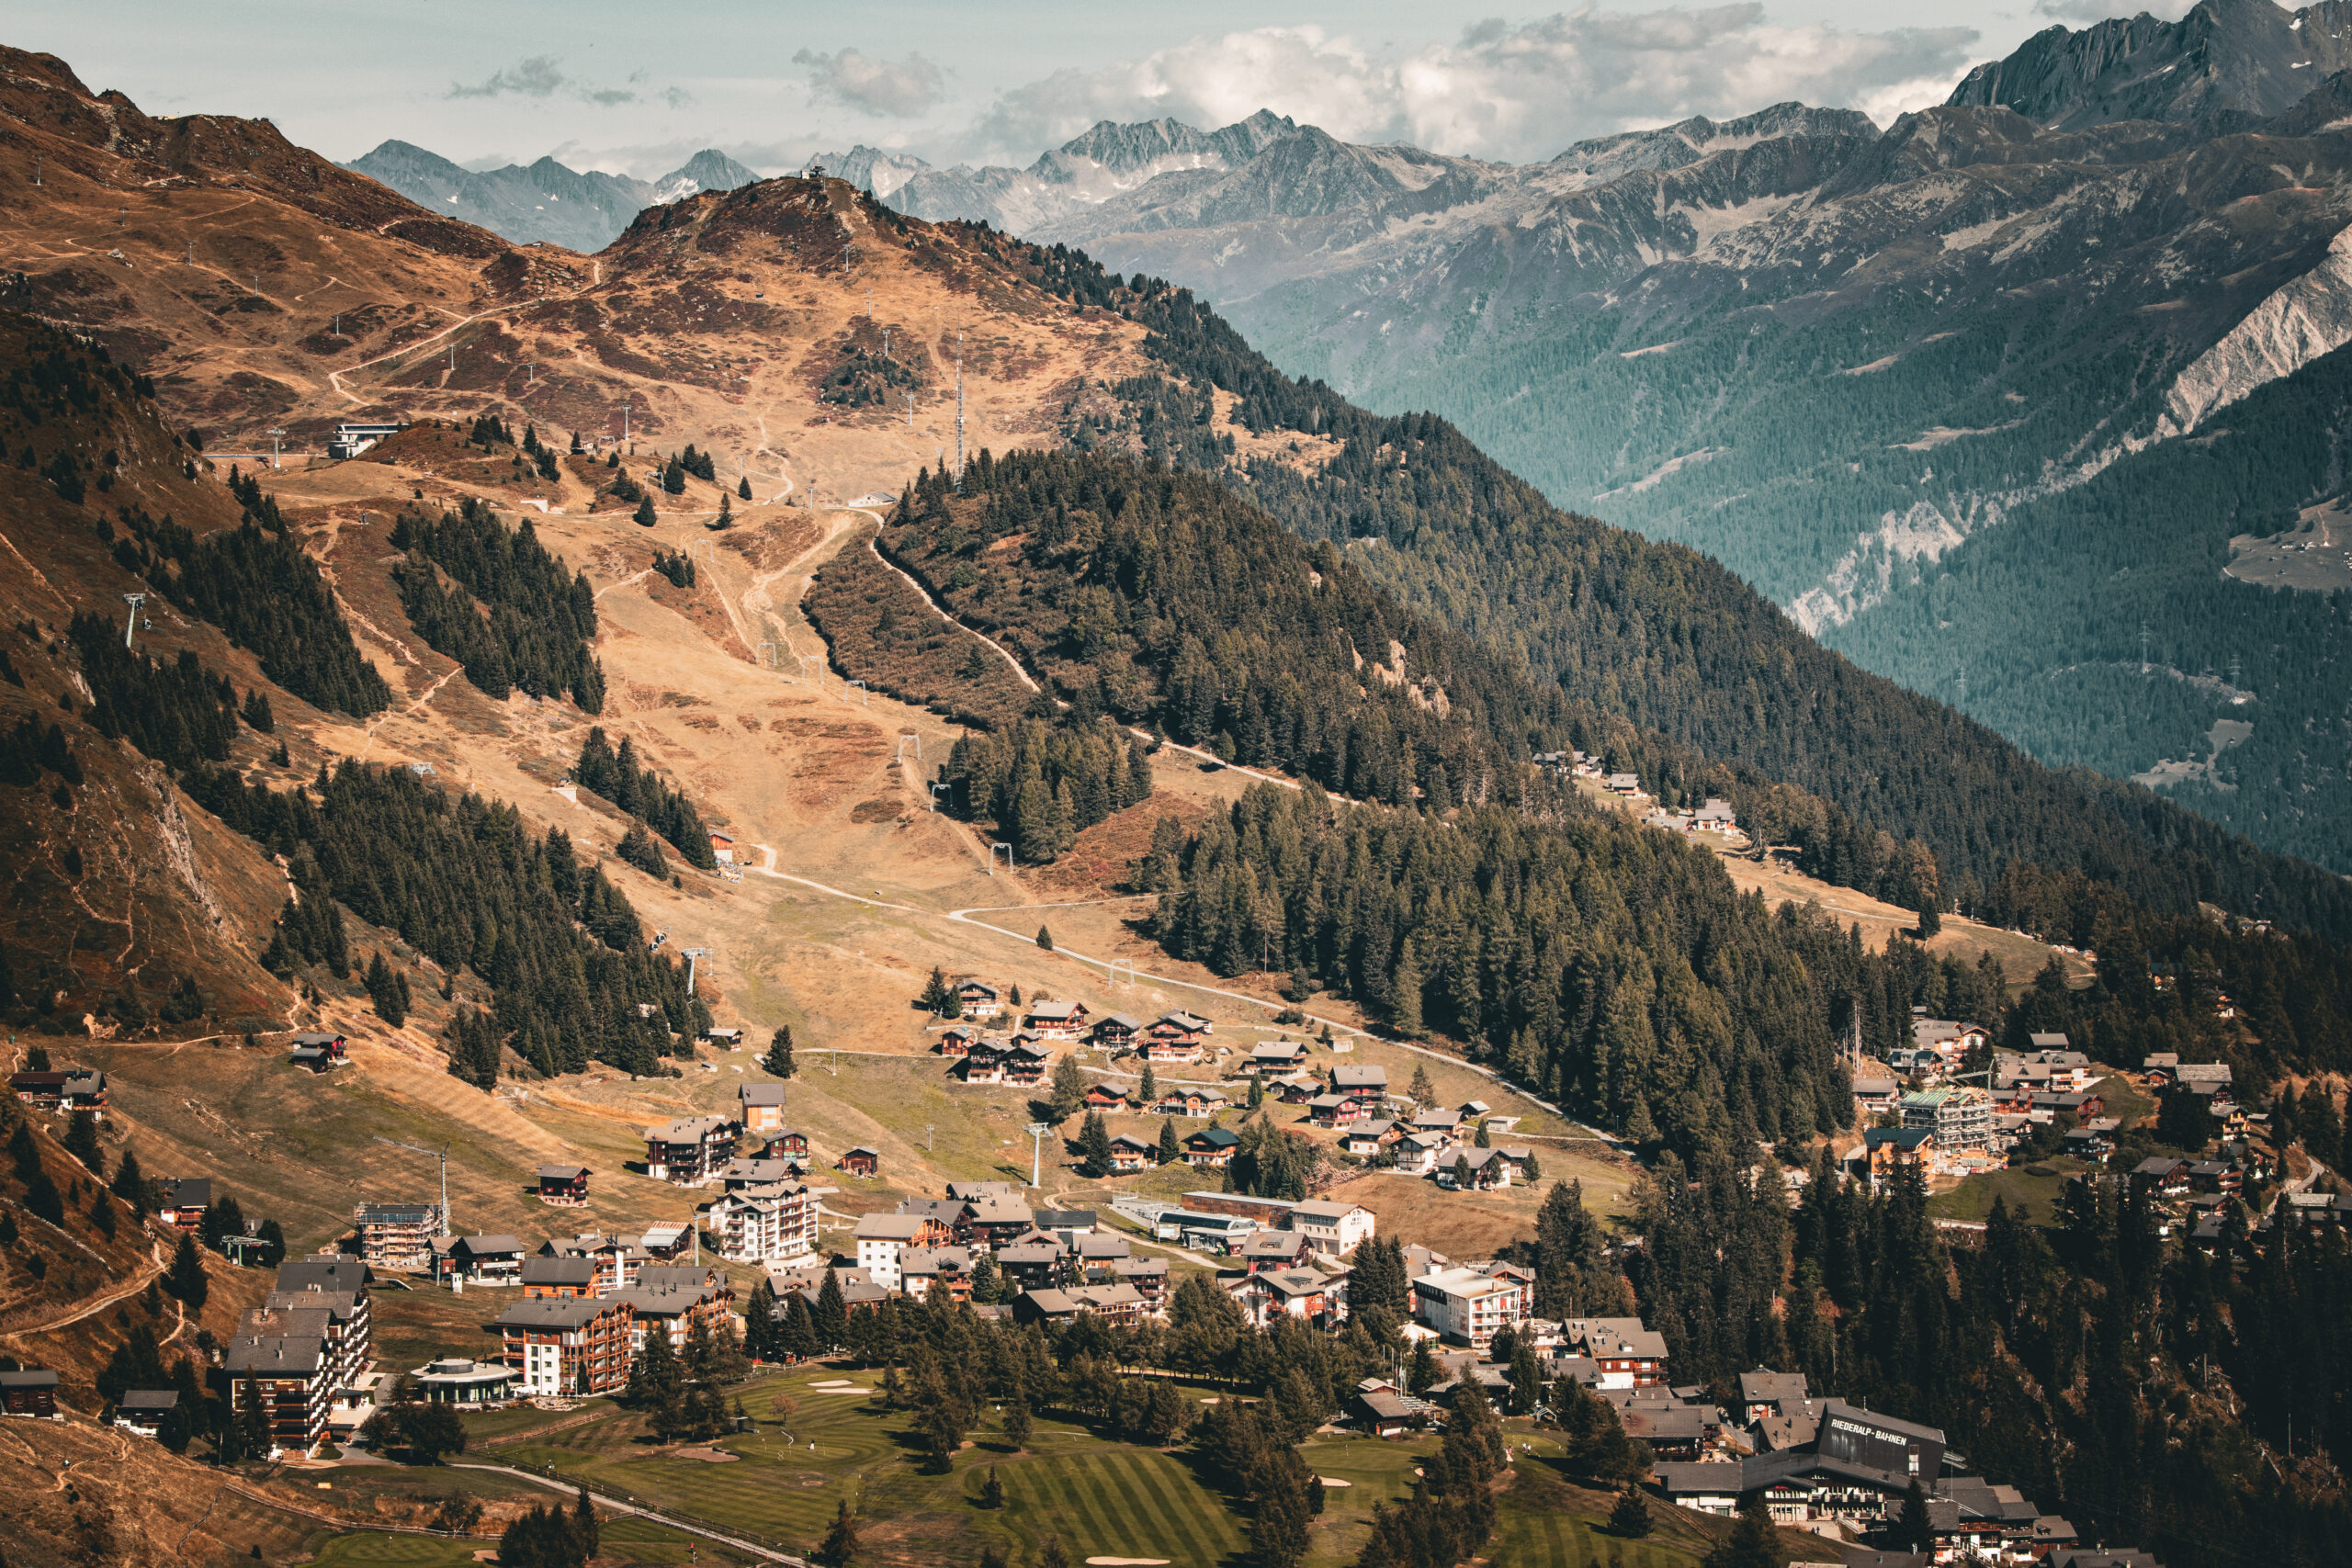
2226	57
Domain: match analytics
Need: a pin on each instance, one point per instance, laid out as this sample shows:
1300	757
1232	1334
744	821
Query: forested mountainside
2115	623
1829	355
1466	894
1663	639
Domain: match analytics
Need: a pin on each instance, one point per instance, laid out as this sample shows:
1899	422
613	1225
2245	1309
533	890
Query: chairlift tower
134	601
1008	858
864	696
442	1155
275	434
905	736
939	787
816	659
1037	1131
693	954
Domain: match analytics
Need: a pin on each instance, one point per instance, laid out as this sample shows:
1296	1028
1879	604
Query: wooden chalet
184	1198
1211	1146
859	1161
1129	1152
791	1145
31	1391
1025	1063
1118	1031
1105	1096
977	999
956	1040
760	1108
1190	1100
1166	1042
564	1186
1056	1020
74	1089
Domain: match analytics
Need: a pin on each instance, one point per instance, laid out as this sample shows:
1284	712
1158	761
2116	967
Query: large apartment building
398	1235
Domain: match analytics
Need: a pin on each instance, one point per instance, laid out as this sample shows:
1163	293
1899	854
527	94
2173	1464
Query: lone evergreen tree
1044	939
1421	1091
992	1491
185	1278
936	993
840	1547
1069	1088
1631	1517
646	515
743	488
1017	1423
1149	1090
778	1060
1170	1151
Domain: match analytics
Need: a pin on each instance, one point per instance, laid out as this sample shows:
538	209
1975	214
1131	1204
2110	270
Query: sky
636	89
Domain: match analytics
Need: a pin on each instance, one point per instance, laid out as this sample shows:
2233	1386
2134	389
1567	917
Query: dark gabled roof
30	1377
1215	1137
562	1172
558	1270
323	1274
189	1192
149	1399
545	1313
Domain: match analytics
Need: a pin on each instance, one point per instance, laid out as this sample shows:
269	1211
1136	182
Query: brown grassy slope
160	893
717	320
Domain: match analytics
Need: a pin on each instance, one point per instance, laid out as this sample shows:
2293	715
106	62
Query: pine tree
778	1060
645	515
1148	1091
840	1547
831	1313
1169	1150
1017	1422
1631	1517
992	1491
1044	939
936	993
129	1184
1421	1092
82	1143
1094	1142
584	1524
743	488
185	1278
1068	1088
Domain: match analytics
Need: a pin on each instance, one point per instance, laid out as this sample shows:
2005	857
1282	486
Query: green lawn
1102	1498
622	1541
2035	1187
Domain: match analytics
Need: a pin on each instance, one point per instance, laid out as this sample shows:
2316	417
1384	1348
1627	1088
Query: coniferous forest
1663	638
638	790
459	879
540	617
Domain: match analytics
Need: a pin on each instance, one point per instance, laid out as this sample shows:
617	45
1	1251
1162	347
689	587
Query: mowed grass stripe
1090	1495
1559	1547
1149	1501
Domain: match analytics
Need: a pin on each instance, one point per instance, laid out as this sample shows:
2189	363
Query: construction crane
442	1155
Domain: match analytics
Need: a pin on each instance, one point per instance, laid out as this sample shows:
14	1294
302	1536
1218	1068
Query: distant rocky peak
2247	57
708	170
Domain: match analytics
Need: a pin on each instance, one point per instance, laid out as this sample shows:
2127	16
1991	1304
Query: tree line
1043	782
461	879
618	776
517	618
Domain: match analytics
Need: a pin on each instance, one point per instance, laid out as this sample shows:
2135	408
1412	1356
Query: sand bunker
1333	1481
709	1456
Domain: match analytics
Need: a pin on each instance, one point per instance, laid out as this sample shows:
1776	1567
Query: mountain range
545	201
1852	364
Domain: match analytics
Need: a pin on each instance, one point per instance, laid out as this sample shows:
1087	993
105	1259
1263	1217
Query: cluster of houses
64	1091
1833	1468
1951	1127
1715	816
1352	1100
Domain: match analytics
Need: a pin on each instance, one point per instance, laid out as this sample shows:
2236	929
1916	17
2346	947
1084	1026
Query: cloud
1514	91
883	88
536	78
2084	13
